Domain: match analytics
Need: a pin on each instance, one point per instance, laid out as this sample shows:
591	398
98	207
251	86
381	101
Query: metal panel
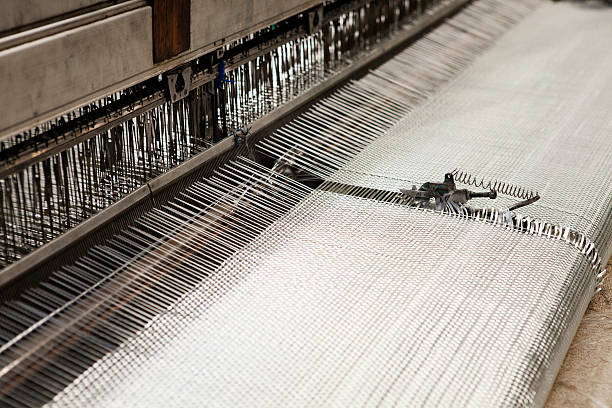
43	75
18	13
39	74
216	20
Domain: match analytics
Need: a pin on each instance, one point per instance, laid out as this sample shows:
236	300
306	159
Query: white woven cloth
353	302
532	111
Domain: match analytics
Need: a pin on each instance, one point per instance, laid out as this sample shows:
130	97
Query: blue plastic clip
222	76
241	135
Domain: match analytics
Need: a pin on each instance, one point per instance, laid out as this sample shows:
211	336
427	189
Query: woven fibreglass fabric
352	302
533	111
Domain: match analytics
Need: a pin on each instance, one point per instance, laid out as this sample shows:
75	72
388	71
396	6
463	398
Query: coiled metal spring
500	187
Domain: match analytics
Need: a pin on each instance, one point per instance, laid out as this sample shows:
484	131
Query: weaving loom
225	215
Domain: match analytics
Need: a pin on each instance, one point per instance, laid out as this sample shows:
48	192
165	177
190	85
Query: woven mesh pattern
353	302
345	301
534	111
339	126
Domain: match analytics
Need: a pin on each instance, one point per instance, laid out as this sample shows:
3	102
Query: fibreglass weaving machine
211	203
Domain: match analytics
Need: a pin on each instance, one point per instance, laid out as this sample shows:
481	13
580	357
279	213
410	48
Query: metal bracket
315	19
179	83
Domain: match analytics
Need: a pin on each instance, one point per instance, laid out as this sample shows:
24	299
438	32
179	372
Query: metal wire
53	195
253	290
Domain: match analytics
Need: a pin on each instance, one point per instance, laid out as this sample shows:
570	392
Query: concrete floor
585	379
